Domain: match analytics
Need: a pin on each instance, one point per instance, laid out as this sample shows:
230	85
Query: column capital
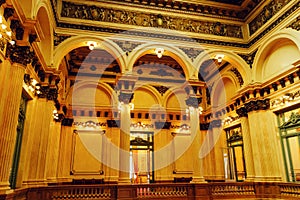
257	105
126	97
193	101
242	112
19	54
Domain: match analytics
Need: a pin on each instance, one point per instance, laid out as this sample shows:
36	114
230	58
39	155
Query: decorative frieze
296	24
267	13
95	13
196	8
242	112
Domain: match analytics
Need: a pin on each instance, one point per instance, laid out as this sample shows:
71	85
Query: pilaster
193	104
9	108
243	115
126	86
263	141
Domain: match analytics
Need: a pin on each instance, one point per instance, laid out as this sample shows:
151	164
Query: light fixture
131	106
5	33
159	52
191	109
219	57
91	45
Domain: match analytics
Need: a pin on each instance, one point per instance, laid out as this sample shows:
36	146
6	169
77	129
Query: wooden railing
290	190
233	189
180	191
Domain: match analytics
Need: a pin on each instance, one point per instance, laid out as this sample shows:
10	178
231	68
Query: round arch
285	35
151	91
174	52
224	89
90	84
79	41
172	92
45	44
231	57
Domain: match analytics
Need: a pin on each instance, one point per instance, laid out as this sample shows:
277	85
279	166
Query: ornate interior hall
149	99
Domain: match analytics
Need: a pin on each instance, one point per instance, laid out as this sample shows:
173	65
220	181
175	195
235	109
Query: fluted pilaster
247	149
196	144
124	144
10	103
53	151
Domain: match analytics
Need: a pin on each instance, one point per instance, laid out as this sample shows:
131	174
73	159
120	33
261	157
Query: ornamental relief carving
266	14
95	13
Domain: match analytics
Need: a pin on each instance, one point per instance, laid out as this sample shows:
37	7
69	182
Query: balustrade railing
162	190
180	191
290	190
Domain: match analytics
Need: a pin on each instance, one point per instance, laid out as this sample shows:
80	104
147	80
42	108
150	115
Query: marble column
193	103
242	112
10	103
124	143
38	137
65	151
265	146
53	151
219	140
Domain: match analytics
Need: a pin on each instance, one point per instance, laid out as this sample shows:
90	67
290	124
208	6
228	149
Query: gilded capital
19	54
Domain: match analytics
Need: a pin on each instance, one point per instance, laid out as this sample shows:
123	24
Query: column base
267	179
34	183
124	181
199	179
250	179
4	188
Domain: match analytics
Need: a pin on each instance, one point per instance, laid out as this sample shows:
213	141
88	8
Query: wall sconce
131	106
91	45
5	33
219	58
191	109
159	52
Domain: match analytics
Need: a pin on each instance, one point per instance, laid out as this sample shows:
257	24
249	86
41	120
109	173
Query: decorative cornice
242	112
198	9
19	54
267	13
102	14
172	37
257	105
